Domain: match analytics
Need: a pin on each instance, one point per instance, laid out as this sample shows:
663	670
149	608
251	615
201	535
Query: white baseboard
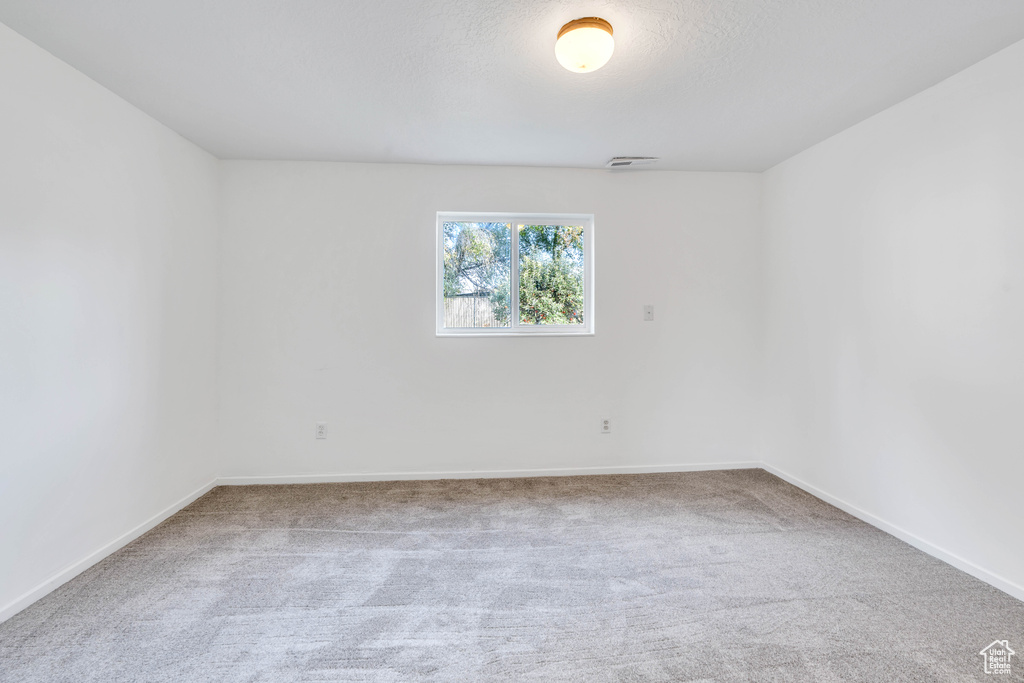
1013	589
70	572
479	474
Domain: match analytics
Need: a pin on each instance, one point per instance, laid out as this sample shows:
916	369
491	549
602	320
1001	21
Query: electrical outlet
606	425
648	312
321	430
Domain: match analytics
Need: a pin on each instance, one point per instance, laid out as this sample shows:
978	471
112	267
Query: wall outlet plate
606	425
321	430
648	312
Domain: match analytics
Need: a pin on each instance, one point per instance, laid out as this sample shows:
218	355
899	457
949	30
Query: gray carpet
709	576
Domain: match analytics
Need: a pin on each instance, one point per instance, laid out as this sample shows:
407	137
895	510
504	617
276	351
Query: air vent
625	162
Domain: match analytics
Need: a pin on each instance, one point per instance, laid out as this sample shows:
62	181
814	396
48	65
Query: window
515	274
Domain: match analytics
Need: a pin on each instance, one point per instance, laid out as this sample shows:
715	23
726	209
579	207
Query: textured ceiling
703	84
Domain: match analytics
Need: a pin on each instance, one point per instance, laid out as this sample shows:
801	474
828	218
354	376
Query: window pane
477	272
551	275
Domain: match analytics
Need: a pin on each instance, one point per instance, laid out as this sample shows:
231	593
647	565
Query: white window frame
515	219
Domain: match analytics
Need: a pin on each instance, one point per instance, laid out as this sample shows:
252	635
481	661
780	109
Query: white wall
328	315
108	277
895	317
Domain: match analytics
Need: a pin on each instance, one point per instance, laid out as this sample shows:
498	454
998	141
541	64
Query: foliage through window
509	274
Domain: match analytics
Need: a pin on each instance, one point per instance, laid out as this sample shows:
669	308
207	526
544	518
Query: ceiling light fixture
585	44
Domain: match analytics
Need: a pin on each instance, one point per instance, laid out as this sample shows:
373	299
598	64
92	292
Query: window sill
513	334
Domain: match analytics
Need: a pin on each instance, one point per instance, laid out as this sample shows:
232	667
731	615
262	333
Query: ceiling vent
626	162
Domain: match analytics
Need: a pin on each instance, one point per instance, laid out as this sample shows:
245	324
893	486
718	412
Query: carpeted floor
705	576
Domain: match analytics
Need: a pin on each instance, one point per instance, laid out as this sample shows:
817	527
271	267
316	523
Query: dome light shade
585	44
